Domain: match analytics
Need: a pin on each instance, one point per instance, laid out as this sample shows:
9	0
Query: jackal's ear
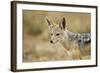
62	24
48	21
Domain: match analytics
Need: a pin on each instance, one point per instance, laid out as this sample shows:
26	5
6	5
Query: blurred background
36	38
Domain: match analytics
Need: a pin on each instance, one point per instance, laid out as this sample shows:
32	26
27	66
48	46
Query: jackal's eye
57	34
51	33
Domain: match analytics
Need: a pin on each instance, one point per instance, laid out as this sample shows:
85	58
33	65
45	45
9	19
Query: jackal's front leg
76	55
75	50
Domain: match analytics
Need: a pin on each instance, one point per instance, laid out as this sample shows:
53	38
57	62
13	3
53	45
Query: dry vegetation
36	45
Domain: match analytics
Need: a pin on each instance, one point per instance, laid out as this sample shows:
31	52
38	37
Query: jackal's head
56	30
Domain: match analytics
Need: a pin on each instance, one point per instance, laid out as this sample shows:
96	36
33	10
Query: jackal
71	41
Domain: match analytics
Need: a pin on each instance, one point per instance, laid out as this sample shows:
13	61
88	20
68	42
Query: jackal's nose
51	41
